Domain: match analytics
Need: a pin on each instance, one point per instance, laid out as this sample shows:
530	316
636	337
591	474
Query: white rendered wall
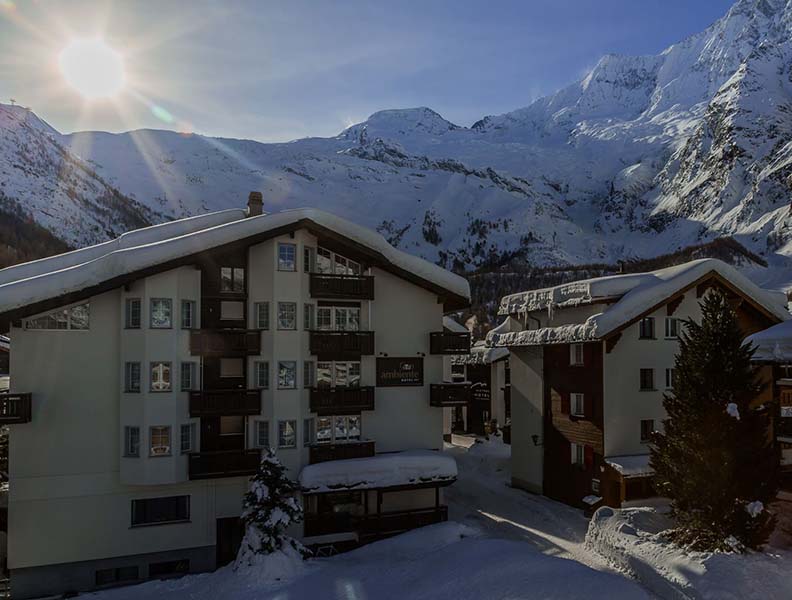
527	418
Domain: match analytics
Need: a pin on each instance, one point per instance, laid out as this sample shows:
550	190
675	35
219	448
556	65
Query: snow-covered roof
480	354
114	260
630	296
773	344
412	467
631	466
453	325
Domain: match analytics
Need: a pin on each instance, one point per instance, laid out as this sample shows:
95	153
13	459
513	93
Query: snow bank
122	261
631	466
381	471
774	344
632	542
637	293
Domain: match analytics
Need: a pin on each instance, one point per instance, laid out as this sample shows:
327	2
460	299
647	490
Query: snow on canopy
412	467
453	325
480	354
634	295
631	466
773	344
126	260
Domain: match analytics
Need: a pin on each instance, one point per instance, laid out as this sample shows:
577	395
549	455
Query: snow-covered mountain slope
643	156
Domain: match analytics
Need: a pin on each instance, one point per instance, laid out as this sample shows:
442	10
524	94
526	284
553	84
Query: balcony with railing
15	408
449	394
341	400
223	463
235	402
338	345
341	451
225	342
449	342
352	287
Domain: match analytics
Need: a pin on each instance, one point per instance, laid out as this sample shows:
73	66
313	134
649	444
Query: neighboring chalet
590	362
151	371
774	355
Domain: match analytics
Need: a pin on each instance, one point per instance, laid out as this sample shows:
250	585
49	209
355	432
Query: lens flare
93	68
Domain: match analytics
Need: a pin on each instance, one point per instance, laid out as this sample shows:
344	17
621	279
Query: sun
93	68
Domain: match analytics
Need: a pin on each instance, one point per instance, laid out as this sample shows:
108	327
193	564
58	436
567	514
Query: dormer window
232	279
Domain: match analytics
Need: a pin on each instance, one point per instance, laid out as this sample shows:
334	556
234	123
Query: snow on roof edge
773	344
19	293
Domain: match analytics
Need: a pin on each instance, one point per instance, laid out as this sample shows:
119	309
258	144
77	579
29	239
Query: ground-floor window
117	575
341	428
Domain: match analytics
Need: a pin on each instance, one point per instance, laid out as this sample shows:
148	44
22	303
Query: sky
277	71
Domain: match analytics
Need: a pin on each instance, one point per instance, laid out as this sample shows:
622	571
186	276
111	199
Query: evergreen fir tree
715	458
270	506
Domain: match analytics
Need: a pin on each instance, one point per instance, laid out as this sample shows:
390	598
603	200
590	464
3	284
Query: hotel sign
395	372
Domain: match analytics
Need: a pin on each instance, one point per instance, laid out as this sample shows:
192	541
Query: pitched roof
628	296
41	285
773	344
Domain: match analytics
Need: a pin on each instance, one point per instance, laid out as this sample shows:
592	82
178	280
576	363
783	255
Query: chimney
255	204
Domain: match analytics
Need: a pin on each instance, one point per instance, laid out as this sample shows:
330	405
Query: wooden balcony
208	403
449	394
342	400
373	525
223	463
342	287
225	342
341	451
449	342
333	345
15	408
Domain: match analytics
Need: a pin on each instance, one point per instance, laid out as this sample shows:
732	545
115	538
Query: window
232	367
671	327
287	315
578	454
153	511
324	261
287	375
132	441
74	318
188	314
160	317
308	432
647	379
232	279
132	313
287	435
576	355
670	378
188	378
262	434
578	405
338	374
647	428
105	577
287	257
330	262
339	428
187	438
309	317
232	310
160	440
132	377
232	425
308	374
261	370
262	315
309	259
646	328
457	373
338	318
160	377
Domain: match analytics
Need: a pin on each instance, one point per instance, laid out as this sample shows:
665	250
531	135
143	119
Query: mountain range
644	156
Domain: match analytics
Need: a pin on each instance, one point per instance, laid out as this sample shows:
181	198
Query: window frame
287	246
309	316
165	428
309	259
225	360
262	425
130	450
574	397
233	272
128	379
169	366
668	322
642	371
192	370
650	323
283	362
308	431
261	366
670	375
258	306
333	429
188	308
281	423
645	439
578	454
169	303
573	355
128	312
176	499
293	305
309	374
191	438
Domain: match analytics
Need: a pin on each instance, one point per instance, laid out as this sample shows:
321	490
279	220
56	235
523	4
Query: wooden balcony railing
449	342
223	463
373	525
449	394
341	344
354	287
341	451
225	342
15	408
342	400
207	403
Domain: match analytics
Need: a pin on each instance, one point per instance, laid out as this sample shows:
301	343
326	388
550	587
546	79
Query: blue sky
275	71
